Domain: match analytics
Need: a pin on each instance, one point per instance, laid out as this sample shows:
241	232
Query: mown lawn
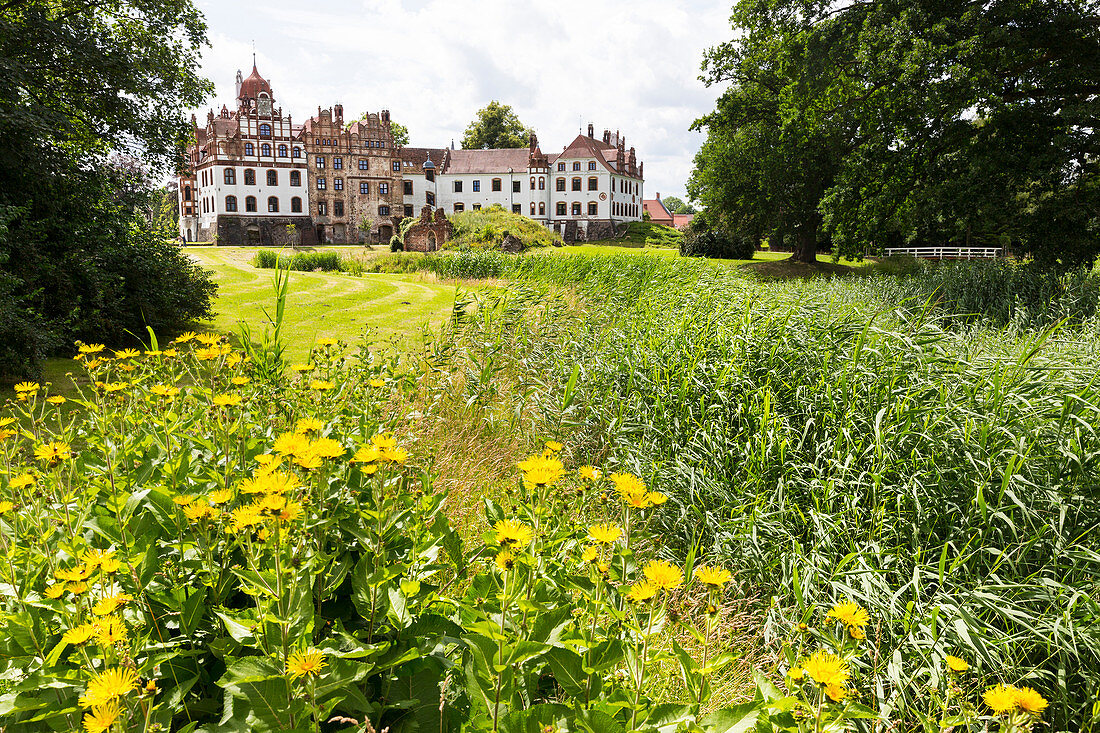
392	307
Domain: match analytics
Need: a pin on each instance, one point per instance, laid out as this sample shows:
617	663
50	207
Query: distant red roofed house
658	214
680	221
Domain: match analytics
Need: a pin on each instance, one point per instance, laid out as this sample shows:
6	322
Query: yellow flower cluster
306	453
541	471
828	671
102	696
74	580
633	492
854	618
382	449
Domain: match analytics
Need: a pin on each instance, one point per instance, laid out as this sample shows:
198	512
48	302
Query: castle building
256	178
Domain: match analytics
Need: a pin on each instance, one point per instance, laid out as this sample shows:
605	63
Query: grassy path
393	307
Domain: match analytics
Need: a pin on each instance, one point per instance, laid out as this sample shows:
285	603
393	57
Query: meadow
611	491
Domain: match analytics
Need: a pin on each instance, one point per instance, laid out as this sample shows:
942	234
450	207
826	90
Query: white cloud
630	65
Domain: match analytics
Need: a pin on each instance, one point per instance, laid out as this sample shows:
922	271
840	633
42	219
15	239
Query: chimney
607	137
591	130
339	113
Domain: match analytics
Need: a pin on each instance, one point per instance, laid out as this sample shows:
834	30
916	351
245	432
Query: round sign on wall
603	197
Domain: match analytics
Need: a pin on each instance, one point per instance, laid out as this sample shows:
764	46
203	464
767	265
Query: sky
627	65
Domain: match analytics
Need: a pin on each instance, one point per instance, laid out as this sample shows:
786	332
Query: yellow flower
627	483
115	387
826	669
109	604
240	381
56	400
513	532
245	517
321	385
53	453
641	591
220	496
1001	698
328	448
80	572
110	565
227	400
955	664
5	434
171	352
90	348
1030	701
636	499
604	533
268	461
505	560
541	471
27	387
109	685
309	425
717	577
850	614
394	455
162	390
182	500
836	693
184	337
305	663
272	503
553	446
80	634
290	444
589	555
291	512
384	441
656	498
663	575
94	558
153	352
367	454
300	368
589	473
326	341
198	511
269	482
209	353
6	506
208	338
796	673
233	360
101	717
55	591
377	383
309	459
76	588
127	354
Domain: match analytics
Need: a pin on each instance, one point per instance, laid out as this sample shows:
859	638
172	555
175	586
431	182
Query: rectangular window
591	165
458	186
477	186
383	211
338	208
230	176
576	208
515	186
559	185
593	208
364	188
320	162
517	209
408	188
337	163
337	184
322	208
593	184
383	188
363	164
396	166
477	207
560	208
408	210
459	207
496	184
429	198
561	167
321	185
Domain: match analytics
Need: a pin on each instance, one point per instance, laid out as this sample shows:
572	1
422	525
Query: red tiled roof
253	85
499	160
418	156
657	210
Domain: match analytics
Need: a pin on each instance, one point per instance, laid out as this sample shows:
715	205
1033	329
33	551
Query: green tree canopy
676	205
496	126
79	82
877	123
400	132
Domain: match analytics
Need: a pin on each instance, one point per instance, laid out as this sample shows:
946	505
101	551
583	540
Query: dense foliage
883	123
196	548
488	229
496	126
717	243
79	81
827	444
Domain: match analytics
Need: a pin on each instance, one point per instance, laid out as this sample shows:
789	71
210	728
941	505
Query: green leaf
568	669
735	719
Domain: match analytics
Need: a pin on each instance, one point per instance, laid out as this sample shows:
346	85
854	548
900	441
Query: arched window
282	151
593	183
230	203
273	178
265	129
273	204
532	183
576	166
576	208
230	176
560	184
186	193
297	152
249	177
561	166
249	203
560	208
532	208
591	165
249	149
295	178
265	149
459	207
576	184
296	205
542	183
542	208
593	208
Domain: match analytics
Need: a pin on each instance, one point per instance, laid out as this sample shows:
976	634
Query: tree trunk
806	249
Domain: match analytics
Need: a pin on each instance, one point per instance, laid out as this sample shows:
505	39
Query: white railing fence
947	253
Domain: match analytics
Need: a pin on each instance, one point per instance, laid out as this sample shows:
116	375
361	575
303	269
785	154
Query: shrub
487	228
266	259
717	244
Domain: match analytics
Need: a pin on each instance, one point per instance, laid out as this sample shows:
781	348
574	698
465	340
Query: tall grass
299	261
831	442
